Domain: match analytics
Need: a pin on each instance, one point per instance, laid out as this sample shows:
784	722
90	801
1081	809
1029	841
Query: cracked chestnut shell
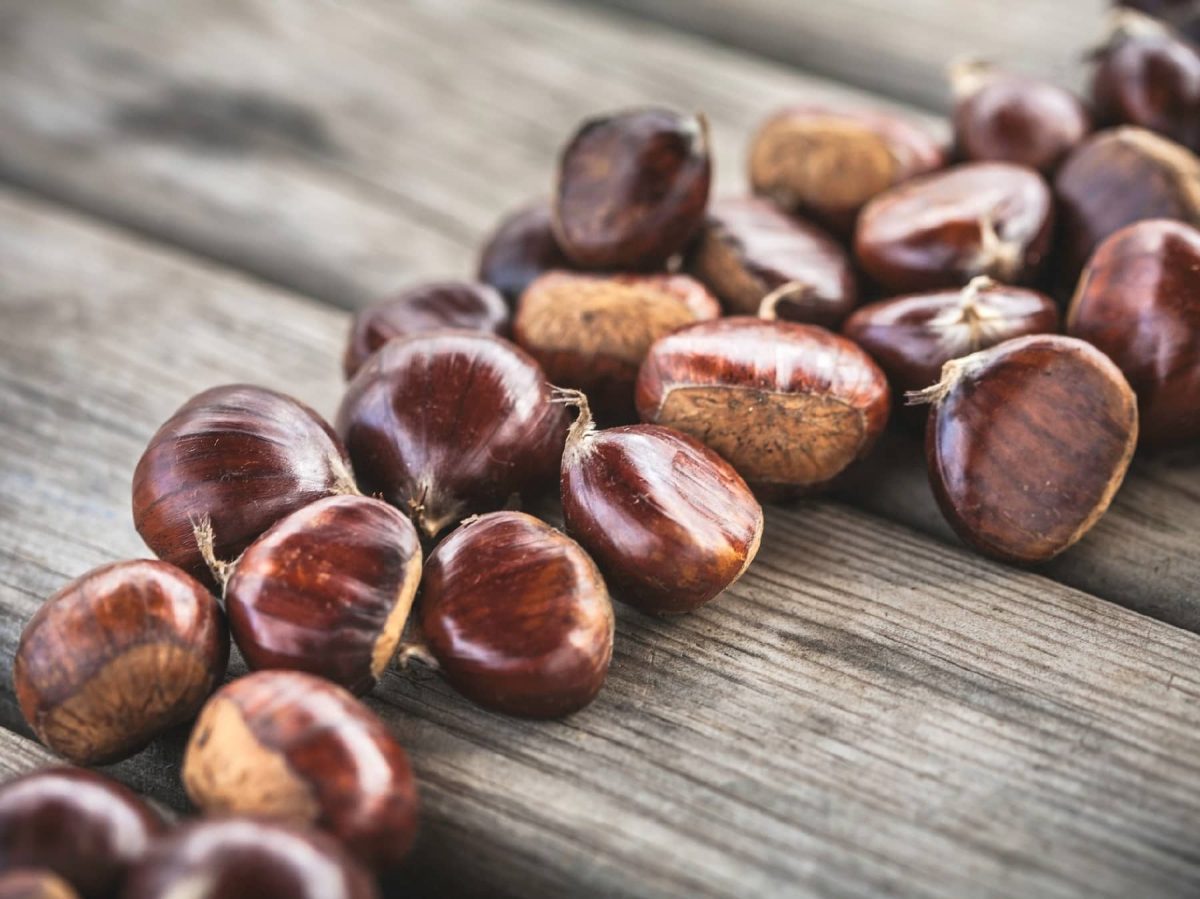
632	187
24	883
517	616
1027	443
327	590
234	858
789	406
760	261
592	332
241	457
942	230
85	828
118	656
828	163
451	423
1139	302
522	247
434	306
292	747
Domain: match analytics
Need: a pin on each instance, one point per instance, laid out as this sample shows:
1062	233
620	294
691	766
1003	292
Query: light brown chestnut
522	247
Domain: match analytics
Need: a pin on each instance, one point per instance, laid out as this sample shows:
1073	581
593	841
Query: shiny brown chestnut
327	590
522	247
1139	302
446	424
77	824
235	858
517	616
669	522
241	457
434	306
1027	443
632	187
592	331
1005	117
760	261
27	883
1118	177
790	406
827	163
942	230
292	747
118	656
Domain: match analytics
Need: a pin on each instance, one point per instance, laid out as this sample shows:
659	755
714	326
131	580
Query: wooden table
194	193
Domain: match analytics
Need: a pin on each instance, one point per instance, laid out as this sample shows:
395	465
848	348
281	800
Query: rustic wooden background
195	192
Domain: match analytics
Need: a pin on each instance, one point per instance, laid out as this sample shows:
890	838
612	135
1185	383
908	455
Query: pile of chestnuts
662	363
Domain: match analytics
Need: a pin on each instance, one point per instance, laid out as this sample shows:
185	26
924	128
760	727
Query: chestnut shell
522	247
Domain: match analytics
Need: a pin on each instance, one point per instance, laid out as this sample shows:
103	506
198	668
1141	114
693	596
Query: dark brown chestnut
1001	116
760	261
26	883
77	824
241	457
1139	302
632	187
790	406
446	424
292	747
236	858
592	331
118	656
1027	443
327	590
522	247
433	306
827	163
942	230
517	616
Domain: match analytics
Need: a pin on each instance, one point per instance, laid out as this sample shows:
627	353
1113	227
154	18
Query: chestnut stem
952	372
788	290
996	255
583	426
968	74
206	542
415	652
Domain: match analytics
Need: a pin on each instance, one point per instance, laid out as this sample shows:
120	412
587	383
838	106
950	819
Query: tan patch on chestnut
393	628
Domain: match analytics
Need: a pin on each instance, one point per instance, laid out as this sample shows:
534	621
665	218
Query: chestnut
942	230
592	331
670	523
632	187
450	423
118	656
1004	117
327	590
760	261
77	824
233	858
1139	302
1027	443
790	406
827	163
241	457
292	747
433	306
1183	15
24	883
522	247
517	616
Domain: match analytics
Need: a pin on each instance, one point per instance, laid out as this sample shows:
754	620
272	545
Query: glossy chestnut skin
240	457
760	261
34	884
86	658
1139	302
1027	443
230	858
446	424
912	337
1118	177
292	747
828	163
433	306
522	247
592	332
942	230
789	406
327	590
517	616
1005	117
82	826
631	189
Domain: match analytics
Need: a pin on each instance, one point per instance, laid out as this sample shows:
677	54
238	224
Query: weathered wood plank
869	712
